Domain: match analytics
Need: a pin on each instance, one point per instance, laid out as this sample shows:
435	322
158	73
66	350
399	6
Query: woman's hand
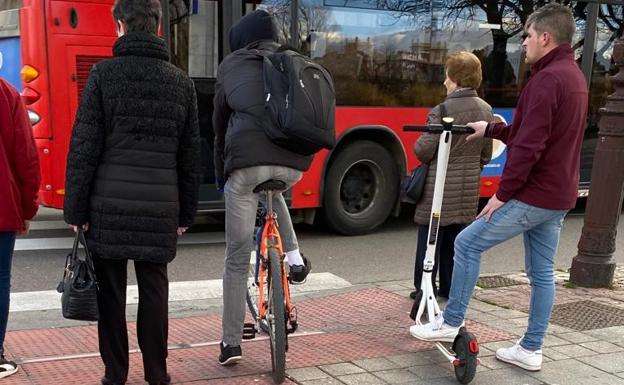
84	227
182	230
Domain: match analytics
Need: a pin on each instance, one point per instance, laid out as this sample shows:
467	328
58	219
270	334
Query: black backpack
300	102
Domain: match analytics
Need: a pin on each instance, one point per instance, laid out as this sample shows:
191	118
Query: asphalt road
387	254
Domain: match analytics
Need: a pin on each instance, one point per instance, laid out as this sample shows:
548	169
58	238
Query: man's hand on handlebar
479	128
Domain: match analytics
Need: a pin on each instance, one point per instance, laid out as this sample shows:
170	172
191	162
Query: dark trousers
7	244
445	250
152	319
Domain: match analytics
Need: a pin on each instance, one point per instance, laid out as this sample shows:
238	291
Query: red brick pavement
361	324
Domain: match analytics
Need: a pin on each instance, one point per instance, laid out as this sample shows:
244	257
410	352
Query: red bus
386	58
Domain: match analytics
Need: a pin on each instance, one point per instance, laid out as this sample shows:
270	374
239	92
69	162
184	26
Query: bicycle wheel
277	321
252	294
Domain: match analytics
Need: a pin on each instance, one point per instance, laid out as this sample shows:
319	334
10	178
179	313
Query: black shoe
106	381
166	381
230	355
298	273
7	367
415	293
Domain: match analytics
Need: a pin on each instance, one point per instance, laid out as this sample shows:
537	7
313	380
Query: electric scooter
465	348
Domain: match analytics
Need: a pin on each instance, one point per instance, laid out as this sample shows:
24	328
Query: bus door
10	55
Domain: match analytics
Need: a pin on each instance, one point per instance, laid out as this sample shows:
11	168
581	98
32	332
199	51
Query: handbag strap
442	111
80	239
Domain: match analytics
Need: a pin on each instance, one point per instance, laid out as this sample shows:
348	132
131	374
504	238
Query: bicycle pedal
249	331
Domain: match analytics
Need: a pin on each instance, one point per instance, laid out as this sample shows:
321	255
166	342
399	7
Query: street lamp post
594	266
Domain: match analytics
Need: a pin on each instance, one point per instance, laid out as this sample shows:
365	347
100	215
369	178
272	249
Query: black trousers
445	250
152	319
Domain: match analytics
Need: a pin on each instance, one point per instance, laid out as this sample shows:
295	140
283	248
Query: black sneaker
166	381
230	355
298	273
7	367
106	381
415	293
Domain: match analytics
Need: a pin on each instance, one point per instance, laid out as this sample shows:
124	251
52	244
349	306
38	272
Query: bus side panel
74	48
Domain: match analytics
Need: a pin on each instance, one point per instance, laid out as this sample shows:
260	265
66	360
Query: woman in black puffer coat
132	180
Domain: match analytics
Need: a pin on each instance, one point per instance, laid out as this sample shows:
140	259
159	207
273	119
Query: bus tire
361	188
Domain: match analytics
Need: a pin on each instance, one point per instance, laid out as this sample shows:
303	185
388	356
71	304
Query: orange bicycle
268	293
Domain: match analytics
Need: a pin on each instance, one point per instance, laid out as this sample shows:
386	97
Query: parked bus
386	57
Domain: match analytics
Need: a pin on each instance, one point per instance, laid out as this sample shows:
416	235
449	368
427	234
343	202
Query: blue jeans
541	229
7	244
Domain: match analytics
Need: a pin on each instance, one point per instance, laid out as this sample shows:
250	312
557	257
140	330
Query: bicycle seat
270	185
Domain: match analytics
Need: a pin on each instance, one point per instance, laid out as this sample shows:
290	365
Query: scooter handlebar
439	128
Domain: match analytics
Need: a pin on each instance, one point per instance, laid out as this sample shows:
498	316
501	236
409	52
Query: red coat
19	162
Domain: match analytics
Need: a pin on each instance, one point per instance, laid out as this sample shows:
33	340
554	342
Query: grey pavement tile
574	372
621	374
572	351
482	306
494	346
509	314
506	376
411	359
480	316
361	379
305	374
485	352
375	364
392	287
493	363
610	363
554	355
323	381
427	372
613	334
403	293
341	369
558	329
577	337
397	376
602	346
551	340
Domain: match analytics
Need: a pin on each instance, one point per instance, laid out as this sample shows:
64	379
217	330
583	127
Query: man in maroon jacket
19	183
538	186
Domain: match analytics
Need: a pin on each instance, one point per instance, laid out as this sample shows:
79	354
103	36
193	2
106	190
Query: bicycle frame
270	238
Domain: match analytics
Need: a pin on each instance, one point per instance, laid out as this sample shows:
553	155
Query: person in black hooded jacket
132	182
245	157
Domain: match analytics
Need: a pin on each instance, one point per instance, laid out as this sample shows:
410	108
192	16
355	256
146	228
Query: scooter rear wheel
466	350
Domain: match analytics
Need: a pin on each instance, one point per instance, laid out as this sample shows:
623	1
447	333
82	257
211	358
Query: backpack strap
442	111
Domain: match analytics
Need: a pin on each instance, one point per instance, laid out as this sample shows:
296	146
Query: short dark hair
138	15
555	19
464	68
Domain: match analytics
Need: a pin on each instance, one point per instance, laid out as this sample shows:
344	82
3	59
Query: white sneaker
519	356
436	330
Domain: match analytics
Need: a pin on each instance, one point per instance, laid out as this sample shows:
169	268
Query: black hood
257	25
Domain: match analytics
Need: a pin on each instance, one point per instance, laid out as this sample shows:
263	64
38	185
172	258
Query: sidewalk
360	336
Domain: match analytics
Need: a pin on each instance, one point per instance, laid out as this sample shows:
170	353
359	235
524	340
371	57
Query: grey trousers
240	214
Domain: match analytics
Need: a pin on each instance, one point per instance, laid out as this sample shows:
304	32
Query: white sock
294	258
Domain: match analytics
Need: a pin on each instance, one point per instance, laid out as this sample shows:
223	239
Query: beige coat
461	190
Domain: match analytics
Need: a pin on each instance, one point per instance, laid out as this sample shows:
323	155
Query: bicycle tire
277	321
252	298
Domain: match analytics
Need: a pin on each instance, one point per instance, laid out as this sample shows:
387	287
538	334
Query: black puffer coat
239	114
133	163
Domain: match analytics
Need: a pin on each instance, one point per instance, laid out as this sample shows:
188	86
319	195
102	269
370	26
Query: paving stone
485	352
493	363
602	346
396	376
507	376
375	364
557	329
551	340
509	314
482	306
411	359
428	372
577	337
574	372
392	287
611	363
612	334
305	374
573	351
323	381
482	317
361	379
341	369
554	355
494	346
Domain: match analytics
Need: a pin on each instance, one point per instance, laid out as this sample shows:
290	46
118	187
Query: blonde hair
464	69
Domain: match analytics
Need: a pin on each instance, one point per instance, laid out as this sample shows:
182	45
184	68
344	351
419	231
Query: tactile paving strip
587	315
361	324
496	281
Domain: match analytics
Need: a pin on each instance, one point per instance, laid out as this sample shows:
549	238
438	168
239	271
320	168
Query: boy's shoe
106	381
230	355
166	381
436	330
519	356
298	273
7	367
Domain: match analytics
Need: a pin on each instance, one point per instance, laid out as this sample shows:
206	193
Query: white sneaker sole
7	373
531	368
231	361
430	339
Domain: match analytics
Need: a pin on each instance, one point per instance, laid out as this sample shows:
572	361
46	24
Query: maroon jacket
544	140
19	162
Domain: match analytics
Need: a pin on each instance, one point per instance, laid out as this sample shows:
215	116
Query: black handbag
79	285
414	185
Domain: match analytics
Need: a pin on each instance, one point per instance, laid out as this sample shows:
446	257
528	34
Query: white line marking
178	291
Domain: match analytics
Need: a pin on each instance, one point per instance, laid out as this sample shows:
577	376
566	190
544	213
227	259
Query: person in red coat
19	184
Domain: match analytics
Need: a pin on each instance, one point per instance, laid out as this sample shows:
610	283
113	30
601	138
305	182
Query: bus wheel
361	188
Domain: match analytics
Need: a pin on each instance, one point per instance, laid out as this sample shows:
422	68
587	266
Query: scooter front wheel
466	349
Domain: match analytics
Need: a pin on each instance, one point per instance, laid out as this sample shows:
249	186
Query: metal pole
594	265
589	45
294	24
